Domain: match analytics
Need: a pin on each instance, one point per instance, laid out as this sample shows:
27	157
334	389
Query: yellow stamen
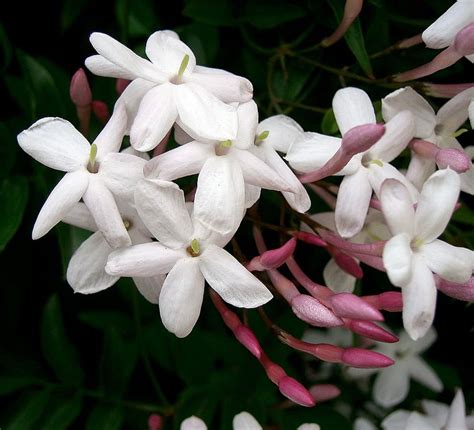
377	162
182	67
459	132
92	155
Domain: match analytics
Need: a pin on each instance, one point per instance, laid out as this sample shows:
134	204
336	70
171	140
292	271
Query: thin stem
303	106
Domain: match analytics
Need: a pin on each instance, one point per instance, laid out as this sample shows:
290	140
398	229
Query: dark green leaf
65	411
212	12
329	124
136	18
58	350
103	320
5	49
69	238
70	12
21	92
268	14
8	150
31	408
10	383
202	39
289	79
13	199
105	417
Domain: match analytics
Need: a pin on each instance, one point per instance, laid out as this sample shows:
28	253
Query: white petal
111	136
166	52
408	99
180	136
252	194
423	374
125	58
471	113
150	287
352	203
391	386
352	107
455	112
419	170
417	421
232	281
245	421
397	257
55	143
338	280
452	263
309	427
423	343
143	260
61	201
363	424
101	203
442	32
419	299
181	297
86	270
396	420
121	173
467	181
80	216
193	423
398	133
397	207
436	204
220	195
155	117
201	114
435	410
100	66
378	174
283	132
457	413
226	86
247	114
161	206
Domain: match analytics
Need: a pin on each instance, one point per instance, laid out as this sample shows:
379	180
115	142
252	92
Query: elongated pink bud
371	330
464	40
273	258
322	351
101	111
347	305
79	89
370	260
352	10
120	85
247	338
274	372
283	285
411	41
155	422
296	392
390	301
324	392
347	263
463	292
446	91
374	248
365	359
310	238
455	159
310	310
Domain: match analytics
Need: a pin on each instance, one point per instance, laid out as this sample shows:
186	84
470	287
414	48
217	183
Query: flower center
416	243
367	160
223	147
128	224
194	250
261	137
92	165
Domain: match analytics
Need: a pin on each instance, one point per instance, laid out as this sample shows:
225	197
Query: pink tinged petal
352	107
155	117
436	204
397	207
397	259
150	287
201	114
61	201
442	32
121	173
457	413
247	114
86	270
245	421
252	194
283	132
408	99
419	170
423	374
232	281
181	297
162	208
182	161
193	423
312	311
144	260
398	133
101	203
419	299
454	113
111	136
338	280
55	143
391	386
80	216
352	203
167	52
125	58
226	86
452	263
220	195
100	66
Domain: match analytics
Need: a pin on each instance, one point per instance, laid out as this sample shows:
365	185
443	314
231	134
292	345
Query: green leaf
64	413
268	14
13	199
290	85
58	350
21	92
11	383
202	39
136	18
212	12
105	417
8	150
69	238
31	408
329	124
70	12
354	38
104	320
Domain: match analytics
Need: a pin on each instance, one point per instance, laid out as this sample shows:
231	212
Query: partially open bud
365	359
273	258
446	91
464	40
352	9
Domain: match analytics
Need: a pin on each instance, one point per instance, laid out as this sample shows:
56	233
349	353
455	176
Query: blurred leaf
65	411
329	124
8	150
266	14
13	199
136	18
58	350
70	12
10	383
31	408
103	320
202	39
448	375
464	215
105	417
378	36
212	12
289	86
5	49
69	238
20	91
354	37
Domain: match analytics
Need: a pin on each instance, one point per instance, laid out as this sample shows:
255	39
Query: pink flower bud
347	305
352	9
273	258
464	40
120	85
390	301
310	310
274	372
310	238
292	389
247	338
327	352
455	159
101	111
463	292
324	392
361	138
155	422
79	89
446	91
365	359
371	330
348	264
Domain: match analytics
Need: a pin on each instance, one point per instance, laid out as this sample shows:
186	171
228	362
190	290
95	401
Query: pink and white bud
464	40
101	111
365	359
121	84
446	91
324	392
347	305
322	351
296	392
371	330
273	258
464	292
247	338
455	159
311	310
155	422
352	10
79	89
310	238
347	263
